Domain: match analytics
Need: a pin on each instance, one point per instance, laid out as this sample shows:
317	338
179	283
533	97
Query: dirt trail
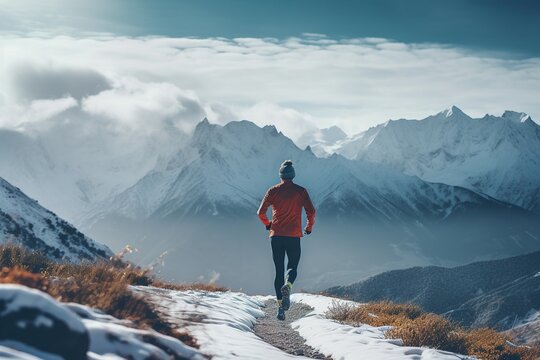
281	335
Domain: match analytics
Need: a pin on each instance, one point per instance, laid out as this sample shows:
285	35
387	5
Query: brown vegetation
103	285
190	286
375	314
431	331
417	328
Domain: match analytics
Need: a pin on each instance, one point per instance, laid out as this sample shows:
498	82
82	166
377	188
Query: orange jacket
287	200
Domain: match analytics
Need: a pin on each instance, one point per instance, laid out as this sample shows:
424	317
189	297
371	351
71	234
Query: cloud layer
296	84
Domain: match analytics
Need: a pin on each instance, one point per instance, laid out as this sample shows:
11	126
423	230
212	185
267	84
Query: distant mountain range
497	156
23	221
224	170
499	293
445	190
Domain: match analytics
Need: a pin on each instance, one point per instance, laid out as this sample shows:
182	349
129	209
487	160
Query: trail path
280	333
232	325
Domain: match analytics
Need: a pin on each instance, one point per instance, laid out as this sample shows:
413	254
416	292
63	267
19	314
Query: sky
300	65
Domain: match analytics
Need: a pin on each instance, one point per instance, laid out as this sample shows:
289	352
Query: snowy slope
222	324
24	221
498	156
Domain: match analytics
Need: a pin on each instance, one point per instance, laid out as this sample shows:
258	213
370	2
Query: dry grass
430	330
491	345
18	275
12	255
417	328
102	285
375	314
190	286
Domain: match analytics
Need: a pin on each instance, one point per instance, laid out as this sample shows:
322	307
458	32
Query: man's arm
265	204
310	213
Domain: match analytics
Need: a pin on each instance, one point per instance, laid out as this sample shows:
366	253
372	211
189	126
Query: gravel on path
280	333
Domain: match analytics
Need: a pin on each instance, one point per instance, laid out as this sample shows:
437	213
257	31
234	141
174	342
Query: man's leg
293	255
292	248
278	255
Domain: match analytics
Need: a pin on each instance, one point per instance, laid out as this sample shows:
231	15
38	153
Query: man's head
286	170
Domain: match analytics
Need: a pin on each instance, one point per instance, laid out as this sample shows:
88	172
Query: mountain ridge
497	156
23	221
493	293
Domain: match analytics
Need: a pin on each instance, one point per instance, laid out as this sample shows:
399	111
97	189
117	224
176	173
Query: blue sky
299	65
511	26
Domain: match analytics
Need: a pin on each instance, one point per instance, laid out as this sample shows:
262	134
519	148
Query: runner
287	200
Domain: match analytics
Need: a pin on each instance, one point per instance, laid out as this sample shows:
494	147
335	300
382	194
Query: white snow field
222	324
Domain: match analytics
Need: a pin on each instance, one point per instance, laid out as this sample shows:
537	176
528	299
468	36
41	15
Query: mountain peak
203	131
453	112
203	124
241	124
514	116
271	129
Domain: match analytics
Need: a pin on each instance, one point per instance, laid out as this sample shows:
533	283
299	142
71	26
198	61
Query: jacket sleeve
265	204
310	212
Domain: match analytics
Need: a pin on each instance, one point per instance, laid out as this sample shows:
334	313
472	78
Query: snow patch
347	342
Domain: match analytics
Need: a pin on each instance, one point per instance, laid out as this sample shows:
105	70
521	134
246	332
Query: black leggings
282	245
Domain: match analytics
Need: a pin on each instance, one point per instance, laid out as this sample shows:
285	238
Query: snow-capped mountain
226	169
24	221
498	156
204	199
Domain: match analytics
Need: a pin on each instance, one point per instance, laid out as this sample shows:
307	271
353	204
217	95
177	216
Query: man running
287	200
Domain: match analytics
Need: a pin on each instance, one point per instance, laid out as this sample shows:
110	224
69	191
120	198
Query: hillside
23	221
498	293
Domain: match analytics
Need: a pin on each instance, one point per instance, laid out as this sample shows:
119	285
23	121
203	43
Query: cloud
17	116
136	103
45	109
30	82
293	83
289	121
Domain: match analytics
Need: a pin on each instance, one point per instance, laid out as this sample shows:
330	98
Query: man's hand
307	231
269	226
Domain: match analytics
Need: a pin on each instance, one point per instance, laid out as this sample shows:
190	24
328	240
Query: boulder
34	318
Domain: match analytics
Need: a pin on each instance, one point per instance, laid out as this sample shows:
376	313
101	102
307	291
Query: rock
34	318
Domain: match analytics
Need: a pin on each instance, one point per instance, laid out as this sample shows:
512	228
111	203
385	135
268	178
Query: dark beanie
286	171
